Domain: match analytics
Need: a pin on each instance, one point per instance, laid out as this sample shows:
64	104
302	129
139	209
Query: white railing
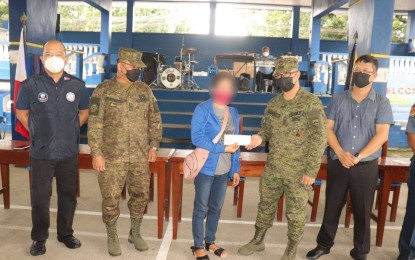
92	60
329	56
4	51
402	65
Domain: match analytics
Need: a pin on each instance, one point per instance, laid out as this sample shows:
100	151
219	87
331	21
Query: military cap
285	64
131	55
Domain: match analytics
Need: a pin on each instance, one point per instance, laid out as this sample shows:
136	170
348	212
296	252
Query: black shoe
70	241
38	248
357	256
402	257
317	252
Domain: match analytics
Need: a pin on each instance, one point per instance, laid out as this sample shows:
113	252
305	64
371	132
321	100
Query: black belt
361	162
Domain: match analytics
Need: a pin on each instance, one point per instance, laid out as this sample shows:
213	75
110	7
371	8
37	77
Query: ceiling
400	5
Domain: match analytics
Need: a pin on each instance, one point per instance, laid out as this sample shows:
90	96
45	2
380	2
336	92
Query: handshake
233	142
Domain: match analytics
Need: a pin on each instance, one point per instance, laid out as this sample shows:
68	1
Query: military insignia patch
412	113
42	97
94	107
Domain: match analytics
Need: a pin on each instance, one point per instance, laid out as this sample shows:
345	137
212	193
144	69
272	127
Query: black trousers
66	172
361	181
260	80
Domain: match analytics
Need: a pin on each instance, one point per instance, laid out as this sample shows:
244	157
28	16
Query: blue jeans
407	237
209	196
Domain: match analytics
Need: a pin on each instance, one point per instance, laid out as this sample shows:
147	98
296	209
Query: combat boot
114	248
135	236
291	251
256	244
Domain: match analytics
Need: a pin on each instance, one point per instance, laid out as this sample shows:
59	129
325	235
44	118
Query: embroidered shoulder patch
94	106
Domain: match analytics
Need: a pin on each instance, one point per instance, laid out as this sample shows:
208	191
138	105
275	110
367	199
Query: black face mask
361	79
133	75
285	84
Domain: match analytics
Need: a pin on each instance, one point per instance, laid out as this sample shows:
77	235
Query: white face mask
265	54
54	64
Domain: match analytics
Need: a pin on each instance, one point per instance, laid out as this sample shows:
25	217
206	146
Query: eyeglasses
286	74
364	71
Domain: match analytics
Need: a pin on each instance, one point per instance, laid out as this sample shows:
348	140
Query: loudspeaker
244	82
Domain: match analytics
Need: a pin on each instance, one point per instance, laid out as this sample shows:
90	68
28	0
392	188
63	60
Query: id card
238	139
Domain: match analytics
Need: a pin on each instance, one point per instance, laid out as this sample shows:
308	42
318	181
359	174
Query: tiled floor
15	225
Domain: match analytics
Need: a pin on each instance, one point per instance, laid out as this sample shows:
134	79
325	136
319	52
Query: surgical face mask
133	75
54	64
285	83
222	97
265	53
361	79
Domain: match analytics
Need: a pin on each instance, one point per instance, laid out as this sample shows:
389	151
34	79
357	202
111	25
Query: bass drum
170	78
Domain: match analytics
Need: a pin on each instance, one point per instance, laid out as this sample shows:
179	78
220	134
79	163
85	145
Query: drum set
180	75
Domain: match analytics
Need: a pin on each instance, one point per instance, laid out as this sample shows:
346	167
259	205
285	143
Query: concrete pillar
314	42
129	39
295	29
41	27
212	19
372	20
105	38
411	25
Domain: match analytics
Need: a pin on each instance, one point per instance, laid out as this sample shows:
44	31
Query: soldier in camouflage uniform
124	132
294	126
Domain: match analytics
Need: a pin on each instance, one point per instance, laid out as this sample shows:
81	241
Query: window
334	26
189	18
119	17
305	17
399	28
78	16
247	20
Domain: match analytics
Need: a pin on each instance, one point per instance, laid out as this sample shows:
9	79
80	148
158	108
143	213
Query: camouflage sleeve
266	125
95	121
317	139
155	129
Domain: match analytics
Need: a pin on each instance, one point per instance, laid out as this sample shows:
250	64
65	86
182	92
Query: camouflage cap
285	64
131	55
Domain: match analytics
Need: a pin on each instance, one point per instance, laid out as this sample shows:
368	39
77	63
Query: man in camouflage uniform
294	126
124	132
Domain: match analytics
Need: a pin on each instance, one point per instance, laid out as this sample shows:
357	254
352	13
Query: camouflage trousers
296	196
136	177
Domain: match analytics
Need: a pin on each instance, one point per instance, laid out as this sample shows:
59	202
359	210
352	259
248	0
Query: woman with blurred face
221	165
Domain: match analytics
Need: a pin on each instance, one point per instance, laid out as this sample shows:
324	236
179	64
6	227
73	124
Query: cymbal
189	51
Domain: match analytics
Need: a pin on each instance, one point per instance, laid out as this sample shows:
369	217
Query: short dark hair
221	76
266	48
367	58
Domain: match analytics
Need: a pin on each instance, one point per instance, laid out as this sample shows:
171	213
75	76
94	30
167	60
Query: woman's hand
256	141
98	163
231	148
236	178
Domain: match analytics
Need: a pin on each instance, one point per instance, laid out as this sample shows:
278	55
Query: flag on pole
20	76
352	60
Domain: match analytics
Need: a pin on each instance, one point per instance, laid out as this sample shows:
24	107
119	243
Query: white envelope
239	139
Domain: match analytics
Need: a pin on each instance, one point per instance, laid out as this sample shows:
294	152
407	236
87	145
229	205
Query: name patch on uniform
70	96
42	97
296	116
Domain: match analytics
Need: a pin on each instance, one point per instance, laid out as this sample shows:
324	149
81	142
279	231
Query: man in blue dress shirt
264	72
358	123
407	237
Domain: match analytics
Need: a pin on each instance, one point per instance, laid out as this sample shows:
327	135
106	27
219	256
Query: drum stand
190	83
156	82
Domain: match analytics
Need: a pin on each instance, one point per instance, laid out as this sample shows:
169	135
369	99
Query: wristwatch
358	156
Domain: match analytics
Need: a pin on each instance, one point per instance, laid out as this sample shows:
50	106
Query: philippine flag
19	78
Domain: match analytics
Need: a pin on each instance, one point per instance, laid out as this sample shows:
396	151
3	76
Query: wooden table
161	167
252	165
